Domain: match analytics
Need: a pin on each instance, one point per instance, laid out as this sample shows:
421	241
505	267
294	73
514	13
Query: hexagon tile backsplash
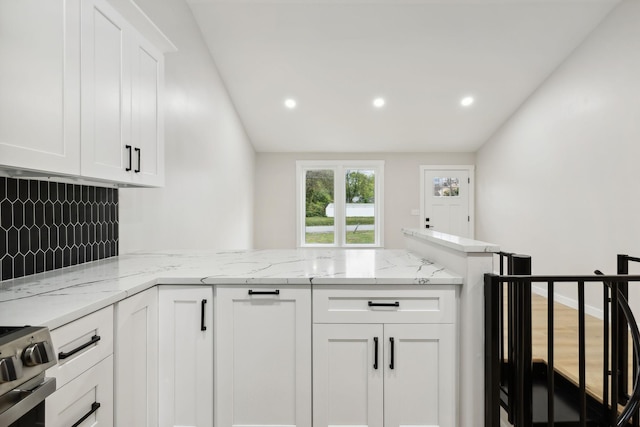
49	225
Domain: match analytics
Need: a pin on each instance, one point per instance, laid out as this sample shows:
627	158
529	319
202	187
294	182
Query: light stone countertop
460	244
58	297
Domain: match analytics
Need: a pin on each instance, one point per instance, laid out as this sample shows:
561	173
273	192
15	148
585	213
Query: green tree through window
360	186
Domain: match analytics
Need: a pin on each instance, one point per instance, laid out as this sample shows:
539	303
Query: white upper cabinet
81	91
106	92
121	83
147	119
40	85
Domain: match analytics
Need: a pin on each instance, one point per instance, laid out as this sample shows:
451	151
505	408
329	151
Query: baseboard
569	302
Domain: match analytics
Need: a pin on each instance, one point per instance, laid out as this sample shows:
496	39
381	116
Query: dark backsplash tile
48	225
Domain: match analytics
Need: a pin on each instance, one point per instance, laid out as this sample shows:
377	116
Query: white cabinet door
136	360
185	358
263	356
147	118
347	381
40	85
106	93
88	397
419	385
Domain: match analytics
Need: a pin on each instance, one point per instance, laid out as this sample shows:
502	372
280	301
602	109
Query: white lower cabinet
263	356
185	358
136	360
379	371
87	400
384	375
347	382
419	375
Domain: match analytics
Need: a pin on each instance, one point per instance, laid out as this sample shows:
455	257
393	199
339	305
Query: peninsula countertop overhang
57	297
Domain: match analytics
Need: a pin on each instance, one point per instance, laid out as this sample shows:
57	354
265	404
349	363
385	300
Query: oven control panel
25	352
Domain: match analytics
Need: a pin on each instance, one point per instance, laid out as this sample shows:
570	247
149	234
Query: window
340	203
446	187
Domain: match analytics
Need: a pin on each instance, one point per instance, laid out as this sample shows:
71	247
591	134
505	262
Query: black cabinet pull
375	352
252	292
128	168
138	151
202	325
384	304
94	339
392	351
94	408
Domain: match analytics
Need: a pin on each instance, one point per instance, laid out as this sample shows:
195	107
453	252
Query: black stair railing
508	362
633	400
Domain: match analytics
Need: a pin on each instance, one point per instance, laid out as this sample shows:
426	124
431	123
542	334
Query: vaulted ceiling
334	57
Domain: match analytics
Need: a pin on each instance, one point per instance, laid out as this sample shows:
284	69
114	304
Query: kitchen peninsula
433	288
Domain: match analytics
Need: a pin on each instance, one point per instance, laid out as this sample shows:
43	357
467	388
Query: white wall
561	179
275	186
208	198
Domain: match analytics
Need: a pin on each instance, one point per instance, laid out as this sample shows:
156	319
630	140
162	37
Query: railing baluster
614	354
492	364
511	347
636	418
605	349
582	356
550	369
623	336
522	266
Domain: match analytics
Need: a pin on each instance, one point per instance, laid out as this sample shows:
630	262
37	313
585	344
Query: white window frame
339	167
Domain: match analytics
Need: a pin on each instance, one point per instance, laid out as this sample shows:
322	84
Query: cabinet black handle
138	151
94	408
128	168
202	325
375	352
384	304
94	339
392	351
252	292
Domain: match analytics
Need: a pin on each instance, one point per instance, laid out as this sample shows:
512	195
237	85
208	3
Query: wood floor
566	343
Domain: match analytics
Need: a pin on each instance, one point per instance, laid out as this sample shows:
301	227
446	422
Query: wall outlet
415	212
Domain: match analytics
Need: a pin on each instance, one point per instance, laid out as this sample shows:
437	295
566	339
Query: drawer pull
375	352
252	292
384	304
392	352
94	339
202	325
94	408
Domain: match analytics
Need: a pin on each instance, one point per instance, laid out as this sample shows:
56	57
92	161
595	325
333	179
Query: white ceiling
335	56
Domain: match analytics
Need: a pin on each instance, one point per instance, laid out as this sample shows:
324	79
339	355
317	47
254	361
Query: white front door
446	194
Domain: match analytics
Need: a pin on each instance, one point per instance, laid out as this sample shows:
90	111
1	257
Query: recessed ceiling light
378	102
290	103
467	101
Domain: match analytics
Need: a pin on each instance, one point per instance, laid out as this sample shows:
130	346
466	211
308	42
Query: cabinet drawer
362	305
81	344
90	395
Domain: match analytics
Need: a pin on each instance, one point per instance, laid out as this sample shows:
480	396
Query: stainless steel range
25	353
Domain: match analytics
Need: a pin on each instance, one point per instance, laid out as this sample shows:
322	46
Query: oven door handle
31	399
